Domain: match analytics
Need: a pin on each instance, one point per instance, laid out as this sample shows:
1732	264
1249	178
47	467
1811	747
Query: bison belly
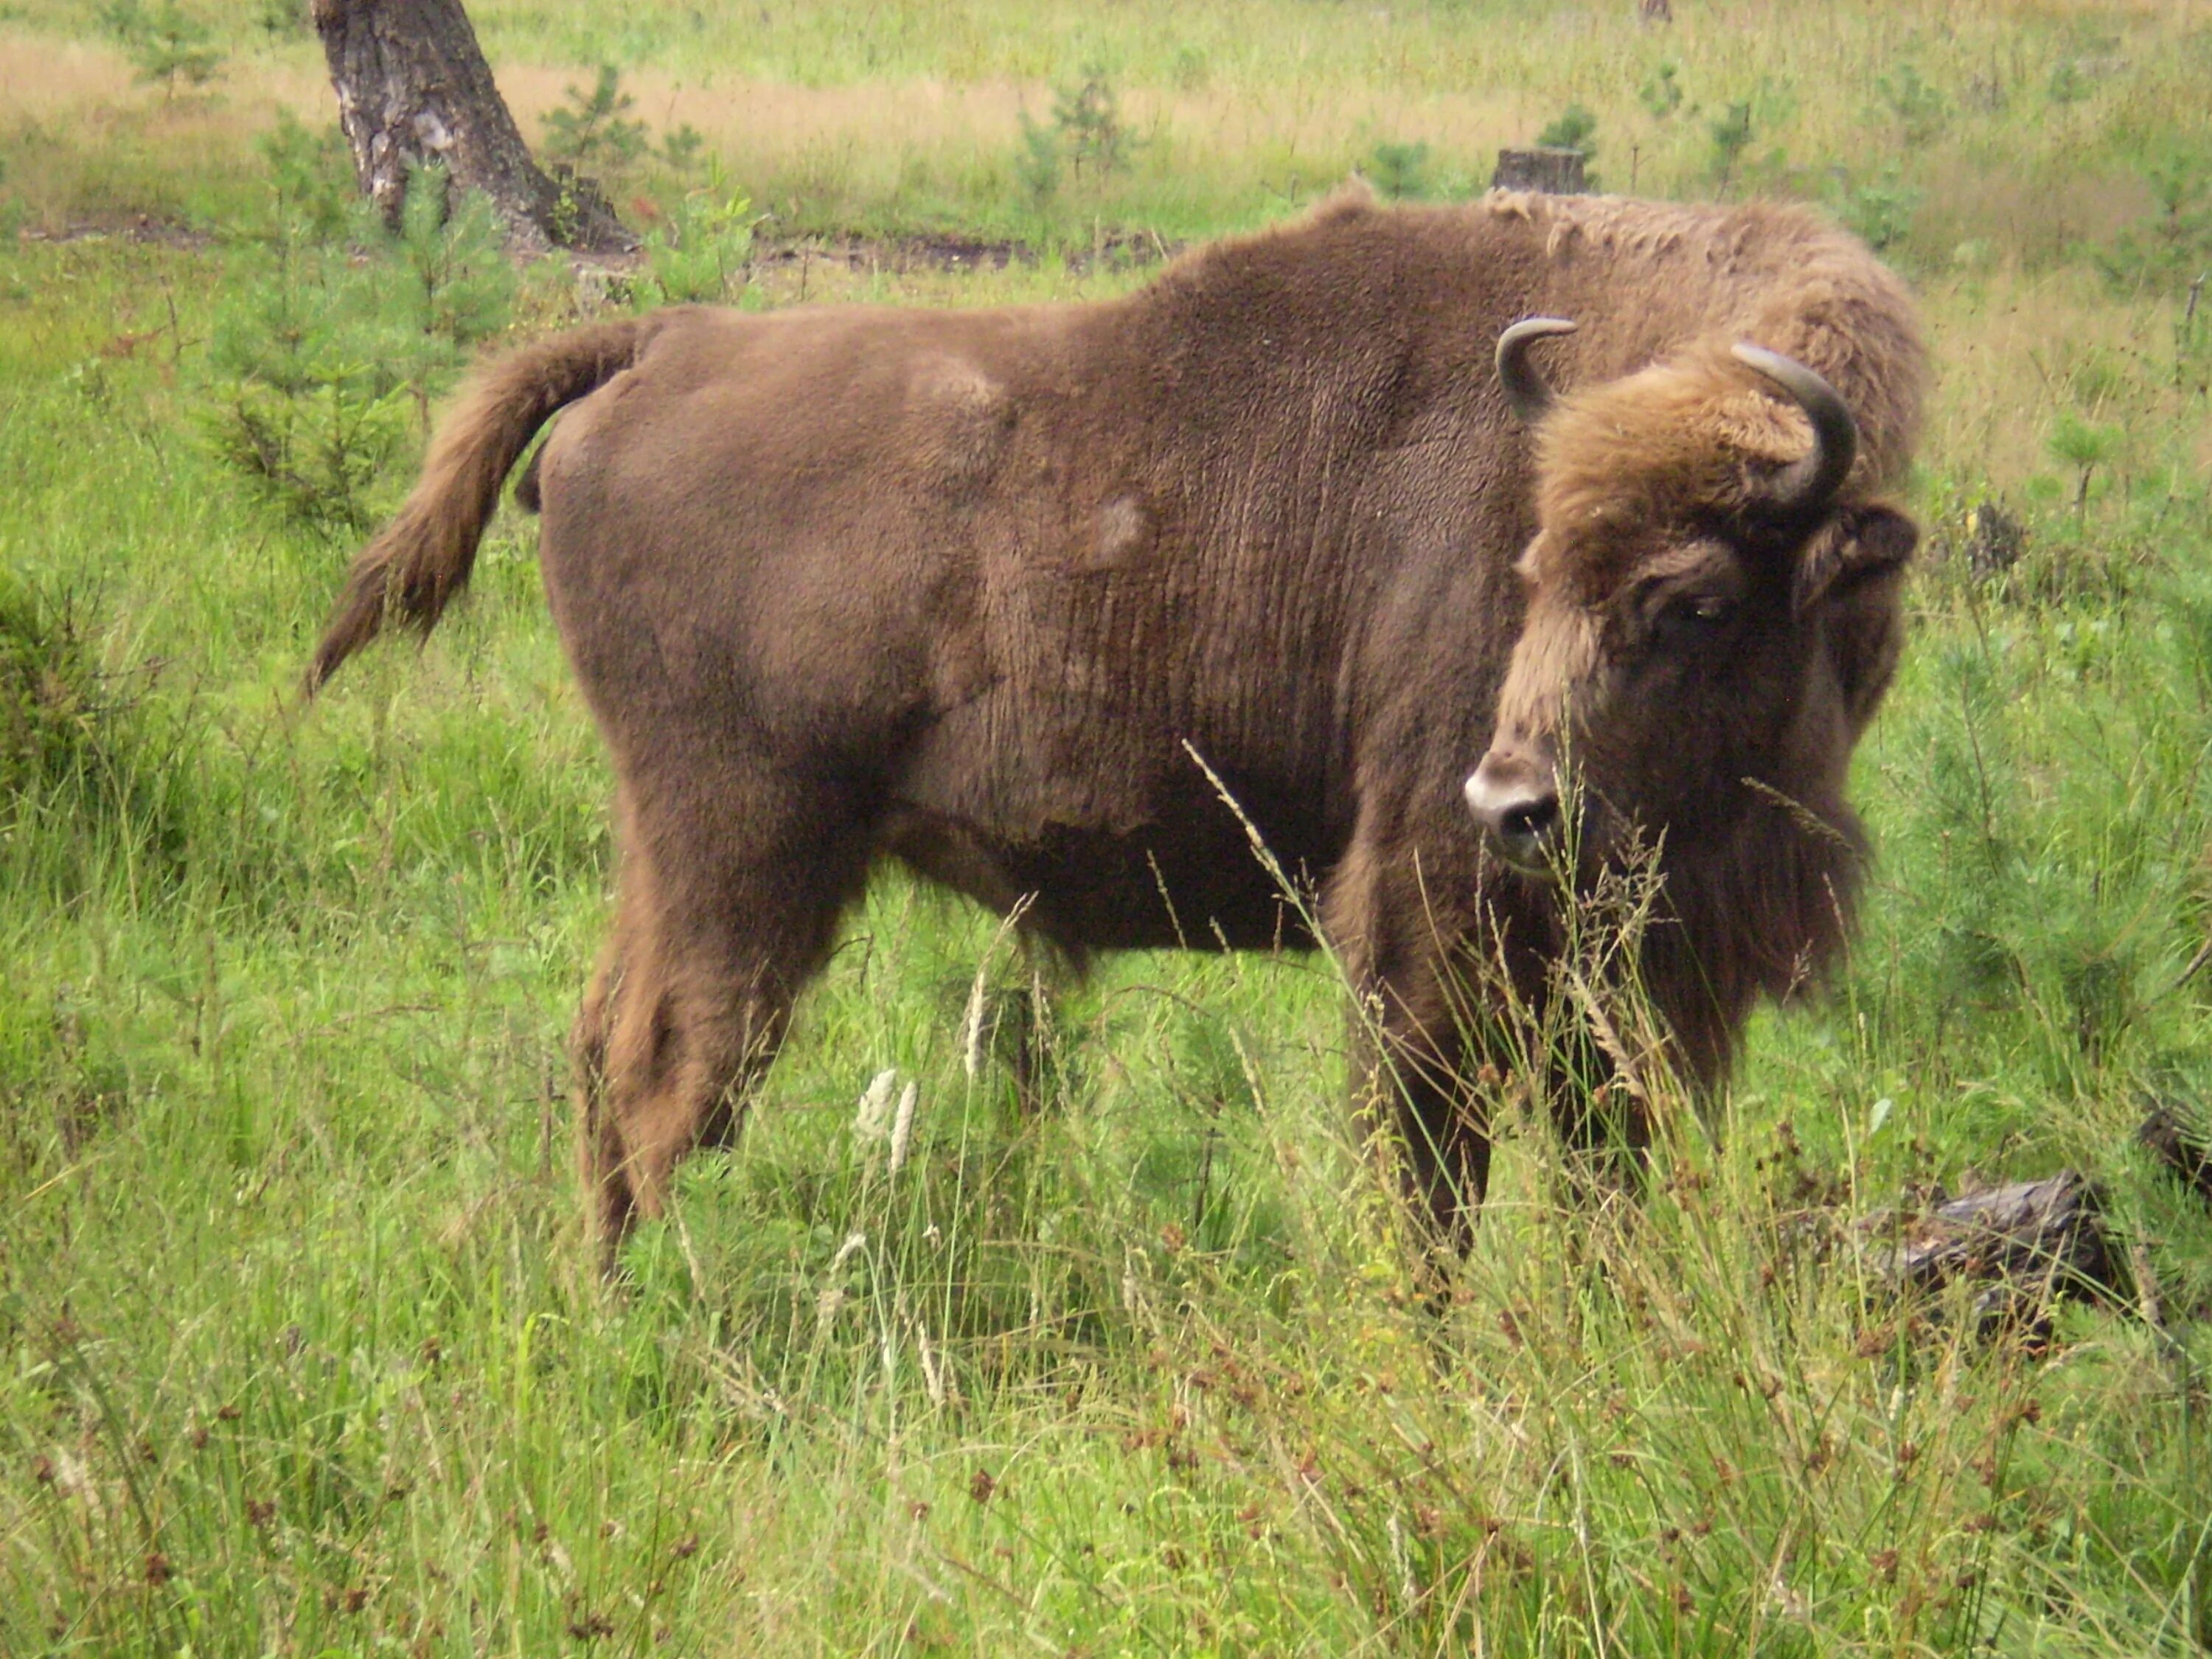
1183	874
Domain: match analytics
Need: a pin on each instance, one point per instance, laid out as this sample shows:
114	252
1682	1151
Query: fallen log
2029	1245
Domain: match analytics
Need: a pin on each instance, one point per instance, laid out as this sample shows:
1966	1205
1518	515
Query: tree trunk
413	86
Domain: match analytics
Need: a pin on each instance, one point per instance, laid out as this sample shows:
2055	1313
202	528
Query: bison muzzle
970	590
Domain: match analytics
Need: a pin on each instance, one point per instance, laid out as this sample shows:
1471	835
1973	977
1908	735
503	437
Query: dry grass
2015	349
82	139
65	82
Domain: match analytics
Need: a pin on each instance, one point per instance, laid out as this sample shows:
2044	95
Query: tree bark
413	86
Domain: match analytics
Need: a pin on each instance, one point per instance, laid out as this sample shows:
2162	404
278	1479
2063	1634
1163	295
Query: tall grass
303	1351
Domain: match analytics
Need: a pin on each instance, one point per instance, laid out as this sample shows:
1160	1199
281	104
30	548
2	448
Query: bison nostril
1517	804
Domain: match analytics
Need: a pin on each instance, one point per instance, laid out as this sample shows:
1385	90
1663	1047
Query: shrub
1575	130
49	712
444	286
123	19
296	412
1731	136
1085	131
70	737
2084	445
593	130
316	358
1036	164
1662	94
682	151
1399	172
168	45
2175	243
1920	111
309	179
1087	117
1878	210
295	407
699	255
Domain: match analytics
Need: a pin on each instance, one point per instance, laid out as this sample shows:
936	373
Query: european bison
969	589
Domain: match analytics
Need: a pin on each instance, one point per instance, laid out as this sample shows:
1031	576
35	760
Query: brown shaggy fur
958	588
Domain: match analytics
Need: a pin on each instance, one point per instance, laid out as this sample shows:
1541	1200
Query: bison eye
1690	620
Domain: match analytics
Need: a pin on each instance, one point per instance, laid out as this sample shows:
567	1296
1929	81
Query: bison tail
423	558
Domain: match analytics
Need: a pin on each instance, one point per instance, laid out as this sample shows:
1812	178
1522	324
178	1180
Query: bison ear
1851	570
1857	544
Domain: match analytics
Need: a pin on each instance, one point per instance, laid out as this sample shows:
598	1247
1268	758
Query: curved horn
1809	484
1525	387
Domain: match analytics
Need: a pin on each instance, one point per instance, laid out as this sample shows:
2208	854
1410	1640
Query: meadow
302	1350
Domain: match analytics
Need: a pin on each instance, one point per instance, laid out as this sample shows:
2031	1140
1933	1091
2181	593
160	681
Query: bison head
1712	617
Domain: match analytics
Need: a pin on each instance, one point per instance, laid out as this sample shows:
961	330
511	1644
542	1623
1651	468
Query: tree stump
413	86
1995	539
1555	172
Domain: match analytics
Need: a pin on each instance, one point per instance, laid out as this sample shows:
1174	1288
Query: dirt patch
142	227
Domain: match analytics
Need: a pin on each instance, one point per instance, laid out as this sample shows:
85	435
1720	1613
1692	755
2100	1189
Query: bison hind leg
690	1007
1017	1023
599	1145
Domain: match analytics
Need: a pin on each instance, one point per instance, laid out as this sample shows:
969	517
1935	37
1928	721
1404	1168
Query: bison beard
969	590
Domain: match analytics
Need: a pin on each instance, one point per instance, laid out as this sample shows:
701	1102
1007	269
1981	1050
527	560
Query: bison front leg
1604	1130
1411	1070
1410	1085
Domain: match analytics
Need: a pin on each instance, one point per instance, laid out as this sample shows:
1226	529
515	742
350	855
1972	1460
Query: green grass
299	1347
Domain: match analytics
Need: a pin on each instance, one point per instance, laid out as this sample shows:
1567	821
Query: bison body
979	591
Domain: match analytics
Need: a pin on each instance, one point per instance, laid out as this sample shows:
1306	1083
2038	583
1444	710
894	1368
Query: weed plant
700	252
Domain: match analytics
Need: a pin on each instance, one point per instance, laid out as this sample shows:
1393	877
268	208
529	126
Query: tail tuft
413	568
